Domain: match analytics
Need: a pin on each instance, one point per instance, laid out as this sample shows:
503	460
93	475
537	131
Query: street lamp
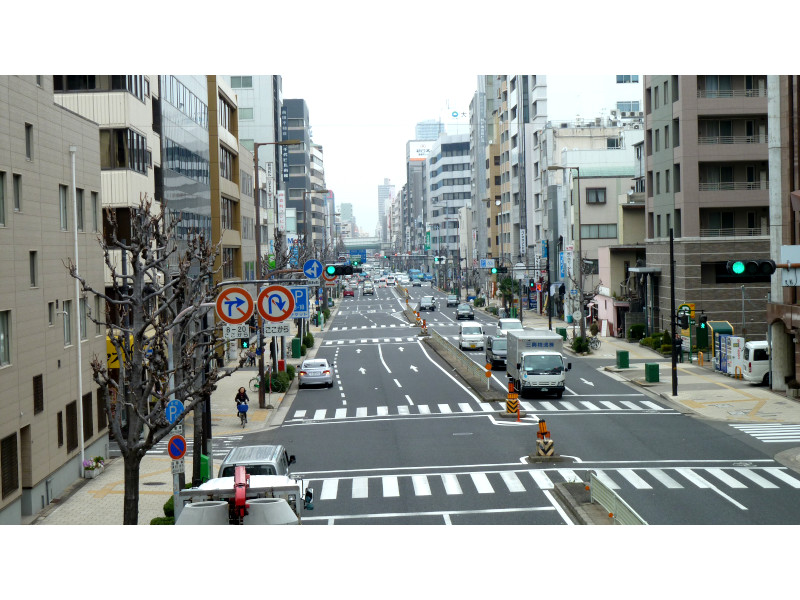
261	400
578	244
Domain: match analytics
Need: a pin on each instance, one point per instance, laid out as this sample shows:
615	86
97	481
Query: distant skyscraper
429	130
385	195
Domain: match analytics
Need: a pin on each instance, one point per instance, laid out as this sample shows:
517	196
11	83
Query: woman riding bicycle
242	404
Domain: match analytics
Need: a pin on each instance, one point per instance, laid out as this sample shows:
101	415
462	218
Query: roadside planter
93	467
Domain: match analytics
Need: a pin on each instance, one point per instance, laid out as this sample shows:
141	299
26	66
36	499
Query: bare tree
157	320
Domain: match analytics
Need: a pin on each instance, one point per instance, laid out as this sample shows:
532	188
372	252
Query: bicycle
254	384
594	342
242	408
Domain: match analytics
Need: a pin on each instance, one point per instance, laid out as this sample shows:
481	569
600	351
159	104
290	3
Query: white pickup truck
535	362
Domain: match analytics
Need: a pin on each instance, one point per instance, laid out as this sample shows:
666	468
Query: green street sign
271	261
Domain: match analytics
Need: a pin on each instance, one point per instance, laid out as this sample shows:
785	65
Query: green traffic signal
737	267
494	270
330	270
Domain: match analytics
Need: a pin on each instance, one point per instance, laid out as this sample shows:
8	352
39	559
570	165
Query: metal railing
734	185
621	512
733	232
732	139
744	93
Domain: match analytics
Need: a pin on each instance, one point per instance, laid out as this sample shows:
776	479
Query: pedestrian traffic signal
245	344
532	284
751	267
436	260
339	270
683	320
494	270
702	322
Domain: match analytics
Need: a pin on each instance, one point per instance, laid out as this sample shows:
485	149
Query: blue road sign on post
173	410
312	269
300	301
176	447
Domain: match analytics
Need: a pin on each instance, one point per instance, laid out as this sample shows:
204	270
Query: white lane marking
757	479
569	475
341	413
482	484
542	480
465	407
664	479
526	405
329	489
299	414
383	410
549	405
606	480
634	479
380	354
444	514
451	485
558	508
783	476
361	411
360	487
569	405
466	390
630	404
421	486
320	414
390	487
653	405
487	407
444	408
590	405
398	383
725	478
693	477
410	401
402	410
423	409
512	481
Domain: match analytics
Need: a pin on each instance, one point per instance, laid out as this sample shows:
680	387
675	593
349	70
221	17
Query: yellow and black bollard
544	445
512	402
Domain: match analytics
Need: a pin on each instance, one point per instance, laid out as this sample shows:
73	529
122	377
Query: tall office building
707	181
41	321
429	130
385	196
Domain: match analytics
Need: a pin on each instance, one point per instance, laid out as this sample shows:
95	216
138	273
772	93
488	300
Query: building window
613	143
82	318
17	192
658	140
241	81
79	207
228	262
9	464
658	183
67	322
60	428
29	141
676	168
98	329
51	313
656	96
627	79
5	337
72	426
33	267
658	225
123	149
225	112
38	394
88	431
102	418
95	212
225	164
666	181
629	106
227	209
596	196
245	114
599	231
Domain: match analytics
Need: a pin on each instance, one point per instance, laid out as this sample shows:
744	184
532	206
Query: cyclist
241	404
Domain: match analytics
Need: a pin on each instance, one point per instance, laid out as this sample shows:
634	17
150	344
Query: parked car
504	325
427	303
464	311
756	362
470	335
452	300
416	283
348	291
315	371
496	350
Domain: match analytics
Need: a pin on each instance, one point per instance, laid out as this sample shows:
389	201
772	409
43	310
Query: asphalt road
401	439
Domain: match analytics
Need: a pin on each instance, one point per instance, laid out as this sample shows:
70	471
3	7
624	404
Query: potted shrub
93	467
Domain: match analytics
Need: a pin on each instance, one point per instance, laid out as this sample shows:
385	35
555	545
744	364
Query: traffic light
331	270
436	260
245	344
751	267
701	324
532	284
501	270
494	270
683	320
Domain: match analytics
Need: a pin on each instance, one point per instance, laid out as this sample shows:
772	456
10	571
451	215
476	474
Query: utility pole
672	314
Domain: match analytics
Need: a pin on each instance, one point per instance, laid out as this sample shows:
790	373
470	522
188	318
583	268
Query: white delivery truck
535	362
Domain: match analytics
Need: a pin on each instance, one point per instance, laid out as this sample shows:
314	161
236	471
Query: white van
755	367
470	335
390	280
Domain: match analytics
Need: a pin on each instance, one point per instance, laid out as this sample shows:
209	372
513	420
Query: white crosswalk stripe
771	432
480	482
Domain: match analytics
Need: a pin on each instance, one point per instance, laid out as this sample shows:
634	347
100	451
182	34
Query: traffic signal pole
672	313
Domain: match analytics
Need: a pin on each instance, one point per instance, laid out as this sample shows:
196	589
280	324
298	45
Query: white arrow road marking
400	348
358	350
587	382
363	370
413	368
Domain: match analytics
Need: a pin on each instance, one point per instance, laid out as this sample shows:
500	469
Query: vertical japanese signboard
285	136
281	210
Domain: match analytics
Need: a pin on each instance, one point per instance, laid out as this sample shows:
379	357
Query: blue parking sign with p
300	302
173	410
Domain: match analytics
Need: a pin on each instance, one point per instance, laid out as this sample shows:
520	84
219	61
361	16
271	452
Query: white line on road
380	354
410	401
398	383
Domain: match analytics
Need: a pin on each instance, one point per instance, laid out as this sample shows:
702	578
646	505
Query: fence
608	499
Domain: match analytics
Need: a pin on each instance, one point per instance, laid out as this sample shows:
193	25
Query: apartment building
46	422
707	183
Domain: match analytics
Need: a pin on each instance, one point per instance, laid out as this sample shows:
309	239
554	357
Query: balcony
734	232
732	139
734	185
742	93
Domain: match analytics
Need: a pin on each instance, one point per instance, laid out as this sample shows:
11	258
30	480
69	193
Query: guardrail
617	507
457	356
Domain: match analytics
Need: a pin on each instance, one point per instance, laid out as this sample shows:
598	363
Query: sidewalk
99	501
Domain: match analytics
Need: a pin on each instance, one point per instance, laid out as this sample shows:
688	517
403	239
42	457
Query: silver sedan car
315	371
